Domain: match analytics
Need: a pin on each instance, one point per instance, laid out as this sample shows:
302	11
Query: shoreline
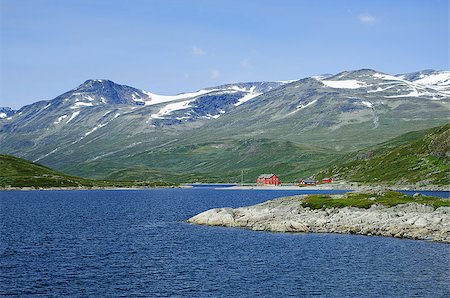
89	188
341	186
330	186
410	220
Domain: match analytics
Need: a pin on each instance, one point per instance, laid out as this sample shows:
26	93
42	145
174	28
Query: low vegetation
223	162
419	157
18	173
366	200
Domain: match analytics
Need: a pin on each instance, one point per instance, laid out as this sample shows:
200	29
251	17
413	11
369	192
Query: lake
136	243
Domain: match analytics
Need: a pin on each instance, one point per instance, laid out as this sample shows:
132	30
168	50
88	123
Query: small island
378	212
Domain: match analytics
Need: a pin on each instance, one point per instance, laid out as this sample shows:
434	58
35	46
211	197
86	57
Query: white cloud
244	63
214	74
198	51
367	18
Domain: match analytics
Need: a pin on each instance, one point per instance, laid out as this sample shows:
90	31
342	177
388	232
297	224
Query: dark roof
266	176
308	181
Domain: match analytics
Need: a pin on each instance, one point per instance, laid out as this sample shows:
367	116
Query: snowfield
345	84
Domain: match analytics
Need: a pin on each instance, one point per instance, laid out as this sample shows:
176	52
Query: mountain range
295	128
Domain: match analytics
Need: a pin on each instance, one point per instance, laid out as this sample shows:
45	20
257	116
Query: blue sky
167	47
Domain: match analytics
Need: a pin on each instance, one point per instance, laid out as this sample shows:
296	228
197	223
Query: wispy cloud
198	51
245	63
214	74
367	18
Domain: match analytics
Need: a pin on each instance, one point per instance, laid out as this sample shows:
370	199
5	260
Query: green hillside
416	157
223	161
17	172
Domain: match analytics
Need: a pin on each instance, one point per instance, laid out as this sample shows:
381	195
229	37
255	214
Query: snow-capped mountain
6	112
208	103
388	86
101	126
99	106
439	80
107	96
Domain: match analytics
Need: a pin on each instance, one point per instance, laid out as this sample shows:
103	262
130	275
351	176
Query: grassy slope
17	172
223	161
365	200
410	158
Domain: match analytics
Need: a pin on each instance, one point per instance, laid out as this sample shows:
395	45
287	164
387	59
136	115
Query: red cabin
327	180
268	179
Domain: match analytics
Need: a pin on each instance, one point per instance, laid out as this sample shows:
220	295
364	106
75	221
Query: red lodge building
268	179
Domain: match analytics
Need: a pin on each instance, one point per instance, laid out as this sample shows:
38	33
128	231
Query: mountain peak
104	91
6	112
90	81
97	83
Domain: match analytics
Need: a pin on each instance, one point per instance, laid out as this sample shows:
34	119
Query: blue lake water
136	243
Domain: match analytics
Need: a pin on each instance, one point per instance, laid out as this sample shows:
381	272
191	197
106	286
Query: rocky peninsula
389	214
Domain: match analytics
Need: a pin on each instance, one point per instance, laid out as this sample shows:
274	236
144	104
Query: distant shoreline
88	188
331	186
340	186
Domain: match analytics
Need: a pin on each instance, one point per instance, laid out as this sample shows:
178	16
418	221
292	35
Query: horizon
172	47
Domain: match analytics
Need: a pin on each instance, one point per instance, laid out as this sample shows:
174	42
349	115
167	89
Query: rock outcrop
412	220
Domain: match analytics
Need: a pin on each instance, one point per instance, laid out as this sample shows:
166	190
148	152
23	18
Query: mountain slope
439	80
17	172
223	161
348	111
418	157
102	109
6	112
102	129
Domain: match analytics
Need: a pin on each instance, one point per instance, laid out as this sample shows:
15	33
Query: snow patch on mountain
6	113
91	131
168	109
249	96
209	116
74	114
367	104
302	106
419	92
156	99
439	81
90	98
95	128
344	84
286	81
379	89
79	104
440	78
384	76
45	155
60	119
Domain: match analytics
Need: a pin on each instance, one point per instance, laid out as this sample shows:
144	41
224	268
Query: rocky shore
343	186
411	220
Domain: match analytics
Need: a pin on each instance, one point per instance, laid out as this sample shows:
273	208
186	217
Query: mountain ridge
82	133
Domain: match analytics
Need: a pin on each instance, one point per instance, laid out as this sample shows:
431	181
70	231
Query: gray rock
412	220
